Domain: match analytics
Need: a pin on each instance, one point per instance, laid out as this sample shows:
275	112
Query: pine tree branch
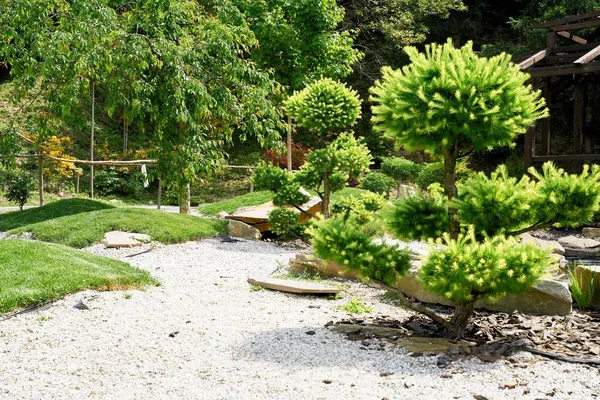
534	227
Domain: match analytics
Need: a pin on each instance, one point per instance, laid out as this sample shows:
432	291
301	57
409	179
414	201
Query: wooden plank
578	119
573	48
574	38
565	20
567	157
546	122
575	27
529	153
551	40
533	59
289	286
571	69
589	56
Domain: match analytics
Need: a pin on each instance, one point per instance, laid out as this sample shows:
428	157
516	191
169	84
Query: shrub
118	181
18	186
362	208
285	223
430	173
343	242
378	183
418	218
277	157
324	106
400	169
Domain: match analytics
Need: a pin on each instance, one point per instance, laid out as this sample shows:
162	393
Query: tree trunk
184	198
289	144
450	191
41	179
92	144
462	315
325	208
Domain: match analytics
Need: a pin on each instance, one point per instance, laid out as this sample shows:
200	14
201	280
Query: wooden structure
565	70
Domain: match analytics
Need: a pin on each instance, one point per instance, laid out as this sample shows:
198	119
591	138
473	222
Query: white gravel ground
229	342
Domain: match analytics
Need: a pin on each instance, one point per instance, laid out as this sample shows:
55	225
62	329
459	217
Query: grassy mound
231	205
57	209
84	229
33	272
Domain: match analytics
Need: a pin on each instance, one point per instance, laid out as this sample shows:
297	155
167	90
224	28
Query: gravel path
204	334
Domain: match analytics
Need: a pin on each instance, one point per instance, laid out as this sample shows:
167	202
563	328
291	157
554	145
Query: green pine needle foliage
286	190
377	182
285	223
419	218
324	106
465	270
567	199
362	208
400	169
342	241
449	96
496	203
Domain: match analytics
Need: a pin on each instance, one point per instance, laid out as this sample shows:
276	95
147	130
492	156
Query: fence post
159	193
41	179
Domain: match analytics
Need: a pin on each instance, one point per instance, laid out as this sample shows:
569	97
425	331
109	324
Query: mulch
493	335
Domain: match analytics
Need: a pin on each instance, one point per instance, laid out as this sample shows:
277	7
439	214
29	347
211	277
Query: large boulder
244	231
548	296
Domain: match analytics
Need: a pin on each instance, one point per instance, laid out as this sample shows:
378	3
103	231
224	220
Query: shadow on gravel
310	347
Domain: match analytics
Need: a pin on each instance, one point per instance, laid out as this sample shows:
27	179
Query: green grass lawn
33	273
85	228
230	205
53	210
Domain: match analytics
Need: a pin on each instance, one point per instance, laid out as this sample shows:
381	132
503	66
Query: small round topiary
324	106
400	169
378	183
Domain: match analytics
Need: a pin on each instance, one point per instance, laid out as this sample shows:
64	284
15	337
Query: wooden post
529	148
578	120
289	144
546	127
158	201
92	145
41	178
551	40
76	183
251	187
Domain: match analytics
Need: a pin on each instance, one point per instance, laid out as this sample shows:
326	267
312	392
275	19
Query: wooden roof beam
533	59
589	56
574	38
566	20
569	69
575	27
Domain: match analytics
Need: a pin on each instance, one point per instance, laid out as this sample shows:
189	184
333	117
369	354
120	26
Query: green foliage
324	106
450	100
83	229
583	290
362	208
282	183
114	181
18	185
344	243
285	223
465	270
300	40
497	203
33	273
567	199
430	173
400	169
378	183
355	306
419	218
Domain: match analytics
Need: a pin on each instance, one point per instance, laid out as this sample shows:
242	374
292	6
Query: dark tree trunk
325	207
450	190
462	315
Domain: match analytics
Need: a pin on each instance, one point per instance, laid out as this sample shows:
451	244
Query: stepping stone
578	243
117	239
289	286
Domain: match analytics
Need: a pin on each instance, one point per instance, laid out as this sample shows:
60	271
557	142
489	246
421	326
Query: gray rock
242	230
556	247
578	243
222	215
589	277
546	297
590	232
583	253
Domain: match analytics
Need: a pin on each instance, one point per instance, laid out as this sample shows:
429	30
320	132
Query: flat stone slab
289	286
578	243
116	239
590	232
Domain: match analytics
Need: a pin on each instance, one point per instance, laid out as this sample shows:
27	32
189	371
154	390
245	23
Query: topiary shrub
377	182
18	186
401	170
419	218
362	208
285	224
429	174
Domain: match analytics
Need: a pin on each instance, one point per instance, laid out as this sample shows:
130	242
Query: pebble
190	338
